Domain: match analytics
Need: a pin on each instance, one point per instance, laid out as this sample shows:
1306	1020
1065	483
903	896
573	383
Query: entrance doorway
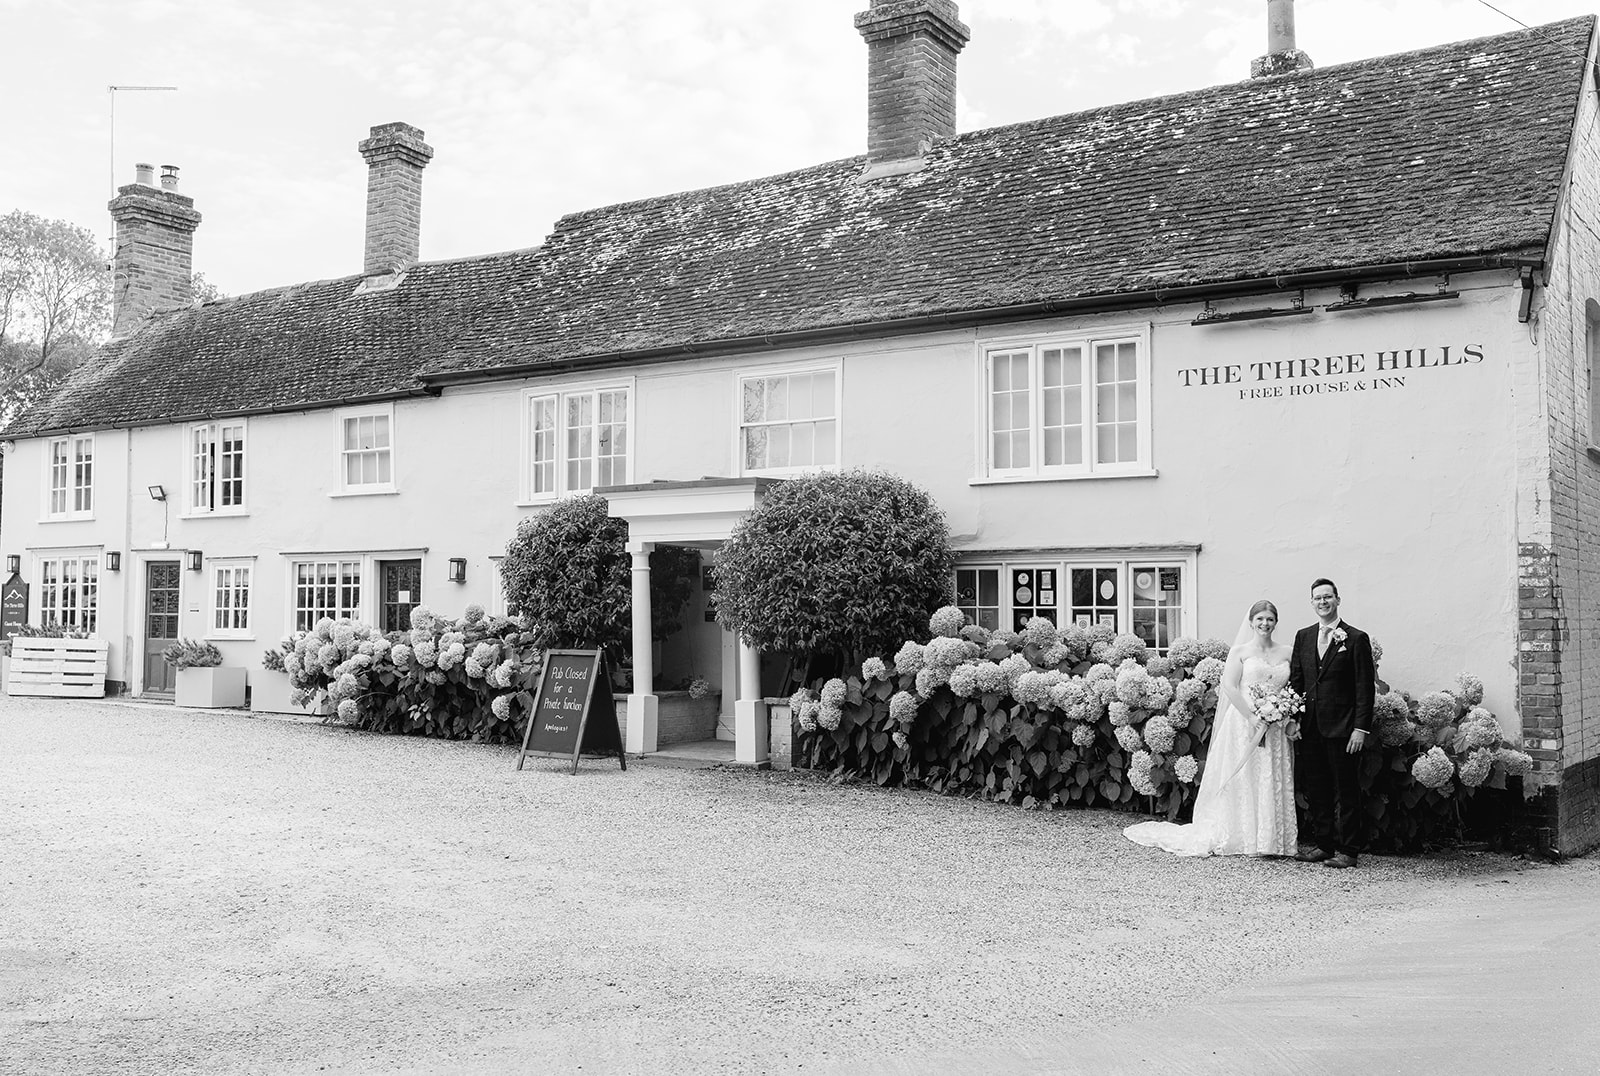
399	592
161	579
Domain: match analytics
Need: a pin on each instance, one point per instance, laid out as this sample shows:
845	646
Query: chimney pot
144	175
1283	56
911	77
169	177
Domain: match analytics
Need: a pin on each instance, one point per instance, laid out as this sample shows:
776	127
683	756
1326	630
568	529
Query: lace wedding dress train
1252	814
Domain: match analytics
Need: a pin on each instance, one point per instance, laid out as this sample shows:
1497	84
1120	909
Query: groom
1332	667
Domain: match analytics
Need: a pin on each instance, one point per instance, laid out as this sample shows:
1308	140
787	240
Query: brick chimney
1282	57
395	155
153	262
911	79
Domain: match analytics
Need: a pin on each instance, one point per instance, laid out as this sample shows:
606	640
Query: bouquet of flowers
1277	706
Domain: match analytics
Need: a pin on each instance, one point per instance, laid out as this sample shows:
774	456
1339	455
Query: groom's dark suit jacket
1340	686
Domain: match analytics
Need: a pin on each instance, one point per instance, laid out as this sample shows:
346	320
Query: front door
160	623
399	592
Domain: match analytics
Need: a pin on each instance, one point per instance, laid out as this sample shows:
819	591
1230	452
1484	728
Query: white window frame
87	583
202	486
339	609
76	475
1034	344
835	367
344	487
1124	561
557	397
243	623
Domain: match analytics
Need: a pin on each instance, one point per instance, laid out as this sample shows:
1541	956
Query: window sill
230	514
789	472
228	638
67	519
378	491
1098	476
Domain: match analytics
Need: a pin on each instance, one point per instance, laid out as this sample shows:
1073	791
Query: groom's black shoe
1312	855
1340	859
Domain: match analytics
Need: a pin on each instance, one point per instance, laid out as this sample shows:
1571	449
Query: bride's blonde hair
1261	605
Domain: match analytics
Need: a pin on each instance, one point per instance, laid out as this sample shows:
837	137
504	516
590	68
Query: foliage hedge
1049	719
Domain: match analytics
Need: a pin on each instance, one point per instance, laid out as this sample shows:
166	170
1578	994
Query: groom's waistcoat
1339	686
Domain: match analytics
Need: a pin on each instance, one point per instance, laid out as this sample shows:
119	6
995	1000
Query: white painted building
1154	361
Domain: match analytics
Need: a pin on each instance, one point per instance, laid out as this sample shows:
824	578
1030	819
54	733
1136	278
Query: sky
538	108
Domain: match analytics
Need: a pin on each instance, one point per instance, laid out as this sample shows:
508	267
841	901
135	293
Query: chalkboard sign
573	711
13	606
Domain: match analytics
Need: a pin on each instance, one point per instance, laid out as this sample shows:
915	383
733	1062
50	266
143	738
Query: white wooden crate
72	667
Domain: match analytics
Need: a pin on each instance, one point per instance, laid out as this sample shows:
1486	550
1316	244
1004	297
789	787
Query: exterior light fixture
196	559
113	560
458	569
13	563
157	493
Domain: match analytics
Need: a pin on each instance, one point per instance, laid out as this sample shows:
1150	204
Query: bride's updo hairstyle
1263	606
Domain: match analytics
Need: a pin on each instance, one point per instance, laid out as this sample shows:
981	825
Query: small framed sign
14	595
574	713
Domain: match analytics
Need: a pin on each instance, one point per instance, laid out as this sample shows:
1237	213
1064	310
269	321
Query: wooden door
399	592
160	623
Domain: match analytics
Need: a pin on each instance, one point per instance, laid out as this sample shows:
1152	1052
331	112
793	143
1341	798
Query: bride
1245	806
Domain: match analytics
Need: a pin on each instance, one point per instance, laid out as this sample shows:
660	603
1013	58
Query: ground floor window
230	600
326	588
69	591
1147	596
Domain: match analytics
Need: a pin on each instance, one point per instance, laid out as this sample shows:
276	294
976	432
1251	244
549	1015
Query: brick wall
396	155
154	255
911	74
1559	588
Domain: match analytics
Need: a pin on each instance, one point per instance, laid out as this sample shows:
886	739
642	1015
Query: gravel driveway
184	891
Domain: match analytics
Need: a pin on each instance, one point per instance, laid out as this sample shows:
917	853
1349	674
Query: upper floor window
230	588
69	591
366	451
789	421
1067	407
577	440
70	486
216	467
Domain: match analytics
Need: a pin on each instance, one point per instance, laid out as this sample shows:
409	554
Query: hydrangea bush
1054	717
467	679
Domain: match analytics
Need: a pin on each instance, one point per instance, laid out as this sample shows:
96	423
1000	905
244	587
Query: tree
54	304
835	566
568	573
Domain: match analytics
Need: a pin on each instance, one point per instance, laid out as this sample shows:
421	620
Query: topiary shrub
569	576
835	565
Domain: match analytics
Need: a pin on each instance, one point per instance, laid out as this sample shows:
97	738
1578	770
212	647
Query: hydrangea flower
1076	640
1396	733
1209	670
1139	768
833	693
828	717
977	636
1121	714
1007	638
806	716
874	669
947	621
1157	665
1157	693
425	653
1469	689
474	670
348	710
908	660
1515	763
1433	769
901	740
1159	735
1083	735
1131	683
1436	709
992	679
1185	653
930	678
1377	651
1190	691
422	618
1128	647
1186	768
1015	666
1479	729
500	705
903	708
1099	671
474	613
1214	648
948	653
964	680
798	700
1128	737
1039	632
1476	766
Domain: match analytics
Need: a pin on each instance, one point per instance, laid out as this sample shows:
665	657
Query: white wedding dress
1251	814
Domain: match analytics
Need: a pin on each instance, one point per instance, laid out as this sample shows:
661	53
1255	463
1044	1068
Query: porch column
750	733
642	702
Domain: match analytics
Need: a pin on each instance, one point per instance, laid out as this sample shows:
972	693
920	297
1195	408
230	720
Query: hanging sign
13	606
574	713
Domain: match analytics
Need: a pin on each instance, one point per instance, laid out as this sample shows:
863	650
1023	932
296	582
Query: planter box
269	693
57	667
679	718
209	689
780	725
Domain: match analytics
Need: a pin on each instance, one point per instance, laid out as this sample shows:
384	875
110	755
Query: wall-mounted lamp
157	493
196	559
458	569
13	563
113	561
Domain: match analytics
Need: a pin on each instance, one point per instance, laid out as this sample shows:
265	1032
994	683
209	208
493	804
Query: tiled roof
1447	152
